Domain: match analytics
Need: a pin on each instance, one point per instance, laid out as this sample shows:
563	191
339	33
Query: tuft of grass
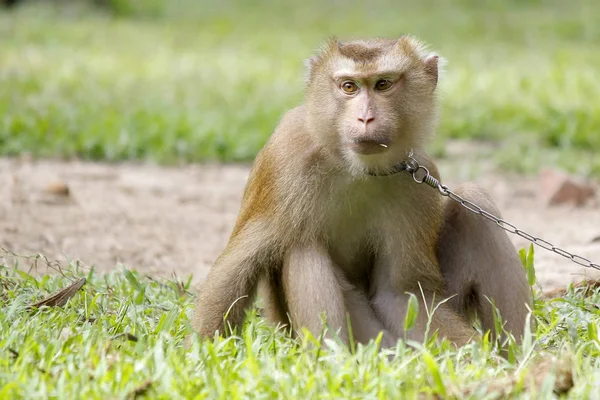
186	80
123	336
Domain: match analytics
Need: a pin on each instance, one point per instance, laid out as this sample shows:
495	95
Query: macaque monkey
329	227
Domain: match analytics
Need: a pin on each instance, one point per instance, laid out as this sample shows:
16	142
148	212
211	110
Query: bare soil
175	220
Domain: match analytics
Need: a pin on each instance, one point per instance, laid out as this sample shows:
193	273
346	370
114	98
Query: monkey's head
370	101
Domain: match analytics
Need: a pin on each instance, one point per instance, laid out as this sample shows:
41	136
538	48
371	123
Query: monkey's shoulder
292	148
283	173
293	118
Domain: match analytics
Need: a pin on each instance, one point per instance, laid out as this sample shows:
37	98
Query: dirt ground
176	220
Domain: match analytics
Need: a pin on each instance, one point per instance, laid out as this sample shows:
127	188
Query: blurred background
191	81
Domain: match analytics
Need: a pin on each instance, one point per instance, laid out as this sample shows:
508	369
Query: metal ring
414	174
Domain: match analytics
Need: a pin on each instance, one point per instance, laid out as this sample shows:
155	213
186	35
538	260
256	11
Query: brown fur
365	51
318	234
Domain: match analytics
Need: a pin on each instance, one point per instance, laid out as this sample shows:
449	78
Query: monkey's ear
432	67
327	49
310	65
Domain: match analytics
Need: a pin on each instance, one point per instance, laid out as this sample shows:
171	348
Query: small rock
58	188
56	193
559	188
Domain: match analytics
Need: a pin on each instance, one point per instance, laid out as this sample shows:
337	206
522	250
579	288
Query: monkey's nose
365	119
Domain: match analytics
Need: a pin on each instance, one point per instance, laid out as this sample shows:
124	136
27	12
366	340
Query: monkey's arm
252	249
231	283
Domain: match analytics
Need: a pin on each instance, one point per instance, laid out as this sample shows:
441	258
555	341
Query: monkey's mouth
369	146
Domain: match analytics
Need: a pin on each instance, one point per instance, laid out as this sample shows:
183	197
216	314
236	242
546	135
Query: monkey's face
377	96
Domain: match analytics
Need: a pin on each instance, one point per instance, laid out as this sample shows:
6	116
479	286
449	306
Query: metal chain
412	167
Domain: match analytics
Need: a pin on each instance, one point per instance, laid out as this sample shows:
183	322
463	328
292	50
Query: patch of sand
176	220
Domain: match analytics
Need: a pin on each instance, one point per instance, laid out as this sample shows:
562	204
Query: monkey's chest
356	233
365	222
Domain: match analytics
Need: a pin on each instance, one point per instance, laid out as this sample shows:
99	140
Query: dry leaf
60	299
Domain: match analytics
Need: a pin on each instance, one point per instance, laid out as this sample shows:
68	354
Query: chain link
421	174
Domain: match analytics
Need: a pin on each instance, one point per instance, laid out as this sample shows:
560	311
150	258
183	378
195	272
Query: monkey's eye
349	87
383	84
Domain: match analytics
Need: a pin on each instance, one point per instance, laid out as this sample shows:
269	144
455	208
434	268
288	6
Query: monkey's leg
364	323
391	298
312	289
477	260
445	321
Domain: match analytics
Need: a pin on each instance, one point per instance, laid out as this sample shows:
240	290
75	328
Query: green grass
122	336
196	81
